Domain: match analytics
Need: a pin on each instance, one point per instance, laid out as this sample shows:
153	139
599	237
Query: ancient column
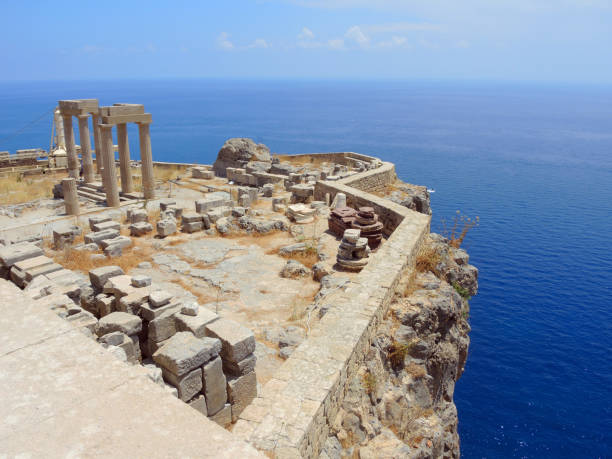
124	159
71	199
88	173
110	171
73	160
146	161
96	131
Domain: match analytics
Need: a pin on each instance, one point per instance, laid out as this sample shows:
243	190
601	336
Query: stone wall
372	180
292	414
356	188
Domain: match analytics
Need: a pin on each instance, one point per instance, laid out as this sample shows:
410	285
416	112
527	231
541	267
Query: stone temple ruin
205	329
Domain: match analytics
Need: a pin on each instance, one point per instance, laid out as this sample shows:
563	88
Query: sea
533	161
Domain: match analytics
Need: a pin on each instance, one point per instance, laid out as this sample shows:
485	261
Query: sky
519	40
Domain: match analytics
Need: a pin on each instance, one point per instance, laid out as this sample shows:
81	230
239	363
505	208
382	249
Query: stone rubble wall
292	414
372	180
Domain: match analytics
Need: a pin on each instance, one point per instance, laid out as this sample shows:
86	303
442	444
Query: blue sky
538	40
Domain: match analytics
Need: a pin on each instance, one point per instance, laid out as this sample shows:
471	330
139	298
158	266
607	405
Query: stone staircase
95	192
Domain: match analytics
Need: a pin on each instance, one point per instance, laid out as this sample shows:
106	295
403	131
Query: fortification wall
292	414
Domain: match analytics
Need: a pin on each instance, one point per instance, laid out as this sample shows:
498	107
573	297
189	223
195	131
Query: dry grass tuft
428	259
369	382
459	229
416	371
17	189
80	260
308	257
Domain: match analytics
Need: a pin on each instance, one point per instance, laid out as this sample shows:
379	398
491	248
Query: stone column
110	171
96	131
88	173
146	161
73	160
124	159
71	199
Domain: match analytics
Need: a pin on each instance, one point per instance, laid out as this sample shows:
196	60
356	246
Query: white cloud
394	42
306	34
224	42
259	43
336	43
356	34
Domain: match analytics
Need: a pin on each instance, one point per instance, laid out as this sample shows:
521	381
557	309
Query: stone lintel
122	109
144	118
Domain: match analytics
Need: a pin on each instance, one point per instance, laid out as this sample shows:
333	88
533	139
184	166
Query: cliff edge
400	403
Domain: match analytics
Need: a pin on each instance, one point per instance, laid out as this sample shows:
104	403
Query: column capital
144	123
105	126
83	116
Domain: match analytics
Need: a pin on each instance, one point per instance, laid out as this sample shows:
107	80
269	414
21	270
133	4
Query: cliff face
401	402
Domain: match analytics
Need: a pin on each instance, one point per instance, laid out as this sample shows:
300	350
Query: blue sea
532	161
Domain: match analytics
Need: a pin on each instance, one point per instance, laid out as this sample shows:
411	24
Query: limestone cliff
400	404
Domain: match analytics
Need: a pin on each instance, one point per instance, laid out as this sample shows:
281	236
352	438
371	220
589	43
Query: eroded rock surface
400	404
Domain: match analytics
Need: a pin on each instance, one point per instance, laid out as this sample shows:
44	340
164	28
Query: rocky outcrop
240	152
400	403
414	197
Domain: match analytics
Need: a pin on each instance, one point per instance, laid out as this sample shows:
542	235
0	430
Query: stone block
166	227
196	324
218	213
223	417
66	236
188	384
11	254
214	385
98	237
148	312
241	391
121	241
184	352
165	203
123	341
97	220
141	280
190	309
99	276
238	342
41	270
159	298
268	190
192	227
138	216
243	367
140	229
191	217
104	305
119	321
205	205
132	302
177	211
199	403
108	225
118	286
163	327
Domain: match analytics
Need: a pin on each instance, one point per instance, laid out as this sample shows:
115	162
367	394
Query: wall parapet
291	415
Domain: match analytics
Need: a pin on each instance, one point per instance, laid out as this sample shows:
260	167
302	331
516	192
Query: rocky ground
401	402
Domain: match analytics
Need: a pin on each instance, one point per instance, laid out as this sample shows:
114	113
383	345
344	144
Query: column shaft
127	185
73	160
110	171
84	139
146	160
71	199
96	131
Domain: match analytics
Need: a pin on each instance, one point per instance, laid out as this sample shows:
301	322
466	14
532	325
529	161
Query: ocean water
534	162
